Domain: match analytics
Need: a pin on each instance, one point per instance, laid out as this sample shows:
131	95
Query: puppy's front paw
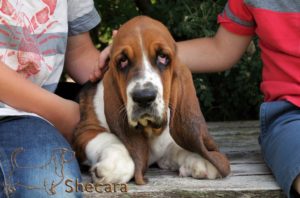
114	166
196	166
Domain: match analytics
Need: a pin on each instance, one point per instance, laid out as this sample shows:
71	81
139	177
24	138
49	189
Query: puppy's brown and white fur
145	111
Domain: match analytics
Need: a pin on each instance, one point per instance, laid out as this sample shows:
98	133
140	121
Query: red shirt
277	24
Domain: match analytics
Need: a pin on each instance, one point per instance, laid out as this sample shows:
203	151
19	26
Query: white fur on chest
159	144
99	105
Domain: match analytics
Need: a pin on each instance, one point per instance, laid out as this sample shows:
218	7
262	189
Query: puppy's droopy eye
123	62
162	60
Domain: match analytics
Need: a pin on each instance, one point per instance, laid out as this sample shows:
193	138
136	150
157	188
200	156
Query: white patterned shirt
33	38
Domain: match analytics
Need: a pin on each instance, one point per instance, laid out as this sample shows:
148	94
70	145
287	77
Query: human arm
213	54
24	95
63	114
82	58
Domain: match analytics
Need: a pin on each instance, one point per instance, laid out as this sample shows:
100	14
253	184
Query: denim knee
47	176
36	160
279	140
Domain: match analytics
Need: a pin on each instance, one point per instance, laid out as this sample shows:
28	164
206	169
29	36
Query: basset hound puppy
145	111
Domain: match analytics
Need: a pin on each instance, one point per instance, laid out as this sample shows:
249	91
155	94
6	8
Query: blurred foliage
229	95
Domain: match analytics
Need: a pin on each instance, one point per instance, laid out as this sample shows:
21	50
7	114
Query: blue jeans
35	159
280	142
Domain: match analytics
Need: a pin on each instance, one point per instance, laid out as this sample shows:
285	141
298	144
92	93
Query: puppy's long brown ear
188	127
134	140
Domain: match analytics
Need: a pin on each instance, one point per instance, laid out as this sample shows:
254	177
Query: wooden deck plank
249	177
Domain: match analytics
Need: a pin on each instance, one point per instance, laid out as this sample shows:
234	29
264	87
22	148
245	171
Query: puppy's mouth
146	120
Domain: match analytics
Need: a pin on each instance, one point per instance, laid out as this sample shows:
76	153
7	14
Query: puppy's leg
111	162
188	163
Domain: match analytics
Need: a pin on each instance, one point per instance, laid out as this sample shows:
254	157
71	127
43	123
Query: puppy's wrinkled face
142	61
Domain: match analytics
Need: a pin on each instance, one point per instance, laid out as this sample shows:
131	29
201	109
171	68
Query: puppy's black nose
144	97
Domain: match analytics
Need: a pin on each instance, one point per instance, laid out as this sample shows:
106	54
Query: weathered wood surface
249	178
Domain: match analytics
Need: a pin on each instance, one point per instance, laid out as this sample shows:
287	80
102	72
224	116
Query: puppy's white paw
114	166
196	166
110	160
